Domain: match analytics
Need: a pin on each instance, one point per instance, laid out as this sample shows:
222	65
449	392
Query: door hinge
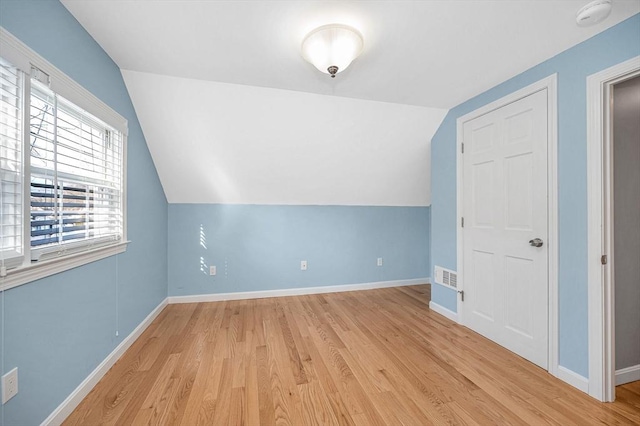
462	222
461	295
462	147
603	259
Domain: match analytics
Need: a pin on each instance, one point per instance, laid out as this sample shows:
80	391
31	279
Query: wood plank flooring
377	357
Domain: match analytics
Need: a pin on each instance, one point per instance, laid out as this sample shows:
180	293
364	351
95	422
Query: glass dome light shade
332	45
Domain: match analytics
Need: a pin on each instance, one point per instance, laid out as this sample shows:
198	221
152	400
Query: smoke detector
594	12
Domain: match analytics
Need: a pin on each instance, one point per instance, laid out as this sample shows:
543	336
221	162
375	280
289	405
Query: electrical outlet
212	270
9	385
303	265
379	261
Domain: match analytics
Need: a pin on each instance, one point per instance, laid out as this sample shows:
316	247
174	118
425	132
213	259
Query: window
75	175
62	152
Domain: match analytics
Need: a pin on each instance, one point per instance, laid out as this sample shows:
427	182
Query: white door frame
550	83
600	227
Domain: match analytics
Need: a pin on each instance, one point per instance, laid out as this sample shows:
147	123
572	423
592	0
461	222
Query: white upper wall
226	143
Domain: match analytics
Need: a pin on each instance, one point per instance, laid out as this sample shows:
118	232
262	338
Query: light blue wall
262	246
57	330
613	46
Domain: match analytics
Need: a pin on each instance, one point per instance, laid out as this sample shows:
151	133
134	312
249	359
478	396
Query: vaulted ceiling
432	55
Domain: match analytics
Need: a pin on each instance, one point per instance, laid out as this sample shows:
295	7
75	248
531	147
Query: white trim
217	297
552	225
599	195
573	378
71	402
24	58
628	375
459	215
551	85
439	309
37	270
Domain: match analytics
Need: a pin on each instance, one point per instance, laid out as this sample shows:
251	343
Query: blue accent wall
58	329
259	247
606	49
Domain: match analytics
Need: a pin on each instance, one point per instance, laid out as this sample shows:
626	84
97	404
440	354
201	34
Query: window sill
38	270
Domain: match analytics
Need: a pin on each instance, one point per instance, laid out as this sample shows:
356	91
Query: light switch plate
9	385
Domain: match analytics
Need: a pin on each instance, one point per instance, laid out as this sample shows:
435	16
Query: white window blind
75	175
11	123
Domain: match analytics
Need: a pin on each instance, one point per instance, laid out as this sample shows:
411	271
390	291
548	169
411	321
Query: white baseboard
573	378
68	405
628	375
217	297
453	316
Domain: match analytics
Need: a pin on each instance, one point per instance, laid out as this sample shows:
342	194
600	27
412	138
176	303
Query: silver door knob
536	242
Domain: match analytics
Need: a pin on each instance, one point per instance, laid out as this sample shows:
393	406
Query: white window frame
25	59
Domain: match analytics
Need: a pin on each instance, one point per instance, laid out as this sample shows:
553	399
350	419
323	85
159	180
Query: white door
505	207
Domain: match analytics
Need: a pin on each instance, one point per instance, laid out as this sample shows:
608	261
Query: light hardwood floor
365	358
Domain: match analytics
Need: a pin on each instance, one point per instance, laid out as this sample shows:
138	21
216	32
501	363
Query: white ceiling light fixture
331	48
594	12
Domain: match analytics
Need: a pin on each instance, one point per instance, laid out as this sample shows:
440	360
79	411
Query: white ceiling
233	114
429	53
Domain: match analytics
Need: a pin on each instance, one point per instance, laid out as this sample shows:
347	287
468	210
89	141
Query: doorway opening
625	257
613	97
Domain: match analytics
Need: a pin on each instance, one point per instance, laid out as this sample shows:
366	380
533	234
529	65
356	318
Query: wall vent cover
446	277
